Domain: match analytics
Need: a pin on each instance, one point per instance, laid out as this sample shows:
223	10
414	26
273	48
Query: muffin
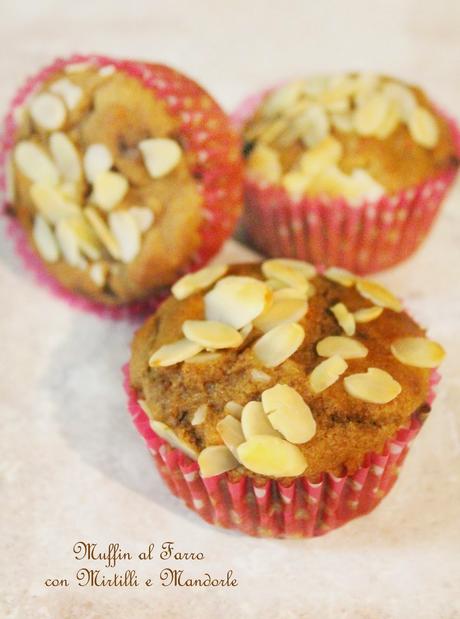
124	176
277	400
347	170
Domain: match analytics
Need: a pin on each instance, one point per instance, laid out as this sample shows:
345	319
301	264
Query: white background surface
73	467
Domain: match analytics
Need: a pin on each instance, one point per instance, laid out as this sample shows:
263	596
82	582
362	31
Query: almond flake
236	300
345	319
195	282
216	460
44	240
170	354
204	357
171	437
289	413
246	330
366	314
378	294
375	386
97	160
70	92
35	164
68	243
327	373
124	229
340	276
230	432
199	416
272	456
418	352
109	189
66	157
345	347
264	162
98	273
102	231
423	128
281	312
278	344
327	152
48	111
254	421
86	239
259	376
108	70
317	126
161	156
52	204
211	334
290	294
282	98
285	272
143	216
402	96
370	115
233	408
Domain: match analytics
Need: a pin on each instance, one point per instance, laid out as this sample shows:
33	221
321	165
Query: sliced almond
98	273
289	294
233	408
327	373
367	314
423	127
52	204
375	386
66	156
296	184
69	190
345	318
280	312
259	376
68	243
306	268
378	294
340	276
362	186
70	92
402	96
289	413
272	456
35	164
230	432
143	216
195	282
108	70
45	240
345	347
390	122
327	152
216	460
161	156
282	98
97	160
102	231
254	421
342	122
370	115
48	111
170	354
278	344
171	437
199	416
109	189
285	272
87	240
246	330
126	233
211	334
317	127
264	162
236	300
418	352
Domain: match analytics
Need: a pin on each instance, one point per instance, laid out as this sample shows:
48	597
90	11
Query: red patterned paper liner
207	133
301	509
364	238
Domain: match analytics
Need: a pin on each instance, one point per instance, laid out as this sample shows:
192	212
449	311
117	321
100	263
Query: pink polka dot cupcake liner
365	238
206	132
299	509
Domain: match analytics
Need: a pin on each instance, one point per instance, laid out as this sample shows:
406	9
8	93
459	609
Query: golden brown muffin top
269	367
103	184
357	136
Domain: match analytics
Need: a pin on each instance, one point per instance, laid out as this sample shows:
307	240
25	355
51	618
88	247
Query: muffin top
105	184
276	371
356	136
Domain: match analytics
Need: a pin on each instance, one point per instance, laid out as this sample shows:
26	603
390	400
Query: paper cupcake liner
300	509
364	238
207	133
